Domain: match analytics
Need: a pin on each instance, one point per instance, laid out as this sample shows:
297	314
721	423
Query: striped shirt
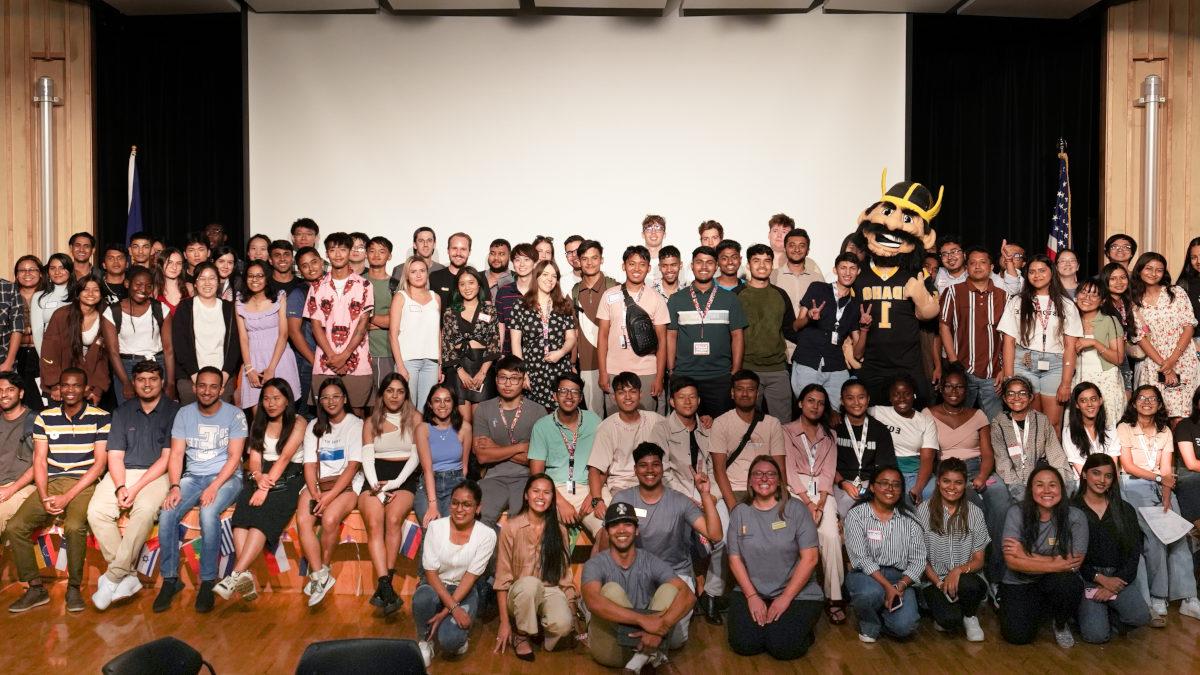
72	442
872	543
973	316
952	549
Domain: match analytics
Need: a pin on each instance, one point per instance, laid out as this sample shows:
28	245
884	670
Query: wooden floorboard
270	634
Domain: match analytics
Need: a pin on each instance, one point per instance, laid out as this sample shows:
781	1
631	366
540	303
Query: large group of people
738	433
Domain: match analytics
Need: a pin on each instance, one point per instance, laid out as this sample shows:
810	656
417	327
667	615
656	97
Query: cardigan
181	323
56	354
1043	444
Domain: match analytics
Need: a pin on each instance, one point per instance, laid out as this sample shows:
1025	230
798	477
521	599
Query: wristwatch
1158	479
595	501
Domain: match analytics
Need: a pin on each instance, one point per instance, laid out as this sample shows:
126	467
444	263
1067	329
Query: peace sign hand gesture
814	313
865	318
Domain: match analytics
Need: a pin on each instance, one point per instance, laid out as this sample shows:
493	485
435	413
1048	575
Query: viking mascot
895	233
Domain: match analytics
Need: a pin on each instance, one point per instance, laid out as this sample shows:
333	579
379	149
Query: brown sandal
836	611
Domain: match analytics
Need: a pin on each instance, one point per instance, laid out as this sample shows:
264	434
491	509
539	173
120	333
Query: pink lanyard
696	303
511	428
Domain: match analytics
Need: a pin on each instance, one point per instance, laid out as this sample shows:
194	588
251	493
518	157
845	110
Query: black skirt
276	512
472	361
386	470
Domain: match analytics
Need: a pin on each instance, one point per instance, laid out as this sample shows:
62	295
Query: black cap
619	512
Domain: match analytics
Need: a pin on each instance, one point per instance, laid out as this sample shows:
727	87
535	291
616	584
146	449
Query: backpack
156	311
639	327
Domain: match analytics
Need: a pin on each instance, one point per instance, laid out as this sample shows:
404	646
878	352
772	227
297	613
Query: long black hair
1060	515
1075	421
75	315
1108	299
456	418
826	420
1137	287
456	299
323	424
1028	297
1189	274
958	523
243	289
287	420
43	281
553	557
1161	420
1126	532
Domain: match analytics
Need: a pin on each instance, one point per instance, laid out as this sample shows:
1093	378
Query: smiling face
760	267
668	267
891	231
140	288
72	387
539	495
206	284
89	293
1152	273
10	396
979	266
902	398
887	487
704	266
441	401
951	255
567	396
649	470
1147	401
729	260
952	485
463	507
1099	479
764	479
954	389
1067	264
1047	489
225	265
628	398
29	275
1089	403
59	274
458	251
257	249
847	273
468	287
208	389
148	385
621	536
590	261
358	251
1038	275
855	400
304	236
1087	297
523	265
173	266
686	400
312	267
498	259
653	235
1118	281
1016	396
636	268
796	249
81	249
547	281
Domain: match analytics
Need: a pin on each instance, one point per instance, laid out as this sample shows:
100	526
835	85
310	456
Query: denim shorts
1045	382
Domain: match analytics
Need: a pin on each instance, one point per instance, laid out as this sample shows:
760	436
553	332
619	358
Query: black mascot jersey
893	343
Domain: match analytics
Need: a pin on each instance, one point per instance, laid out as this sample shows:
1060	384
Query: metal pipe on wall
43	96
1152	97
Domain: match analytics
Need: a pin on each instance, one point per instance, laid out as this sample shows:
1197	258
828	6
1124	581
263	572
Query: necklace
952	413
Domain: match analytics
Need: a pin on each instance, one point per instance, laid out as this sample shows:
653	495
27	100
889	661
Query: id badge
875	535
700	348
624	342
812	490
571	487
833	338
1043	365
1015	451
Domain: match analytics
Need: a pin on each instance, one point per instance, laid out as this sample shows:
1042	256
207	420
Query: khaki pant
602	634
9	508
590	522
32	515
121	552
529	598
829	541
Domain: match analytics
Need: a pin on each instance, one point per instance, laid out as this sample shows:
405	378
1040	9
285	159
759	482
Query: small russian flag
412	540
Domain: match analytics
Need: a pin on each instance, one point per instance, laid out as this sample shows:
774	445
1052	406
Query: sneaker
245	585
636	662
391	602
974	631
204	597
35	596
994	595
377	599
1159	606
127	587
103	597
1190	607
170	587
1062	635
463	649
225	587
75	599
426	652
320	584
867	639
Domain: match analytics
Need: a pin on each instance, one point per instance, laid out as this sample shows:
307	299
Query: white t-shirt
139	334
452	561
339	446
1010	323
1112	446
208	325
909	435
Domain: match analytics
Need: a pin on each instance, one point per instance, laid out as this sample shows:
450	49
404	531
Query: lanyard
545	319
860	447
712	294
570	445
511	428
1043	318
811	451
1022	435
1151	455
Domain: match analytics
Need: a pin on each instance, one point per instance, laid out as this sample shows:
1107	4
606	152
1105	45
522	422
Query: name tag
1043	365
1015	451
700	348
485	317
875	535
640	513
1051	541
779	525
612	299
50	304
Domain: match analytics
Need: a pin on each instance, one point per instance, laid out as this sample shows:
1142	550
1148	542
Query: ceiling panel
714	6
909	6
1040	9
451	5
601	5
313	5
145	7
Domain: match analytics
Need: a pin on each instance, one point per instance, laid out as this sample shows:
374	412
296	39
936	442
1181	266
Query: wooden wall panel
54	38
1159	37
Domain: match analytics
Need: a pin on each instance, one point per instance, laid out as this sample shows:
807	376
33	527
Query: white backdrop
561	125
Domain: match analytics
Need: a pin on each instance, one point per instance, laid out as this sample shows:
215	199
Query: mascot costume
895	233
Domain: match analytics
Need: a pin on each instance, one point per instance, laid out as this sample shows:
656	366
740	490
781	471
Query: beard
908	260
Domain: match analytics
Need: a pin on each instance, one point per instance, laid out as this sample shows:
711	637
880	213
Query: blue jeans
1045	382
190	488
910	479
129	362
832	380
1097	620
981	390
422	375
866	596
443	485
1168	568
996	501
426	603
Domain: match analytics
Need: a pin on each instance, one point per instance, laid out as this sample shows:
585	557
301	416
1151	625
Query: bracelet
118	489
174	486
47	499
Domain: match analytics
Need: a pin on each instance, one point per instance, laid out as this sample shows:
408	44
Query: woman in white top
332	458
225	259
1066	266
1101	350
390	463
43	304
1147	479
268	499
415	331
1089	429
1040	326
914	437
1166	322
134	326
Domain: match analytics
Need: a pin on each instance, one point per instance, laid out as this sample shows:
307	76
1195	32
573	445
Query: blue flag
133	223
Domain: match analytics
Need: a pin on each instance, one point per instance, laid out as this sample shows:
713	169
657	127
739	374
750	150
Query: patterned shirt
72	441
973	317
872	543
951	549
12	314
457	334
339	314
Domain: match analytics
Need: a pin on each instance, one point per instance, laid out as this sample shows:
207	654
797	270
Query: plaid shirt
12	314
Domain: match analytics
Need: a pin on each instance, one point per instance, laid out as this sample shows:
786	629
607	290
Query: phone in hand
897	604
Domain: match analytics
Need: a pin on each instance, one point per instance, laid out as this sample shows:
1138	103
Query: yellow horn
883	182
938	206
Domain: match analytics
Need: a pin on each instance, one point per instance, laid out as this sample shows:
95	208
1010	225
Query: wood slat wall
53	38
1159	37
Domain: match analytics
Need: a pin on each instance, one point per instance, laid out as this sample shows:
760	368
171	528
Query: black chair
361	655
164	656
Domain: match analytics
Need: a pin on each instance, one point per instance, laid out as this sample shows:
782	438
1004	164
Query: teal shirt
715	328
546	444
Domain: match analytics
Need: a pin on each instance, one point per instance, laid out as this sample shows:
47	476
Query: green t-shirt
378	339
546	444
712	330
766	311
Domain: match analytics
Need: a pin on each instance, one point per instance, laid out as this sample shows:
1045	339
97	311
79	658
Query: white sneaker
245	586
321	582
636	662
1190	607
426	652
974	631
1159	605
866	638
224	587
461	651
103	596
127	587
1063	636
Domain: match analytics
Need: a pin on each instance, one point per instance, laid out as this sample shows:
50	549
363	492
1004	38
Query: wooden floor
270	634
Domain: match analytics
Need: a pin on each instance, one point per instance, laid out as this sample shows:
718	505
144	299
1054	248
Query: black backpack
156	311
639	327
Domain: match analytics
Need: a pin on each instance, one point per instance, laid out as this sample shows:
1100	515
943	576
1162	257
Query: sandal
836	611
522	647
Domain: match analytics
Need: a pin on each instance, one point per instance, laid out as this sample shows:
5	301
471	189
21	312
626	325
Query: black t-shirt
893	342
273	286
1188	431
444	282
113	293
879	451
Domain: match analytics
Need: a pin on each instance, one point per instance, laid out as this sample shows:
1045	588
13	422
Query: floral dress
457	352
1162	323
537	338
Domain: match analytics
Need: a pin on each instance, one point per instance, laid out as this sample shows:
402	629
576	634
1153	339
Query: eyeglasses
887	484
256	277
568	392
1018	256
1146	398
359	249
1120	247
953	387
1020	393
764	475
653	228
950	253
510	379
28	270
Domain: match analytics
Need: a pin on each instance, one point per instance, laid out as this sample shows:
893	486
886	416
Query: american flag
1060	222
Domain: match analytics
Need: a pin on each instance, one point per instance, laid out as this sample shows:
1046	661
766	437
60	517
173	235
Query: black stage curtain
988	100
171	85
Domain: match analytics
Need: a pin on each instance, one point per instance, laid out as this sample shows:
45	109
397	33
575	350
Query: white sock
635	664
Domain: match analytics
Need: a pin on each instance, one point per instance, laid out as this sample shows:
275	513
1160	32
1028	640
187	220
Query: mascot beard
895	231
